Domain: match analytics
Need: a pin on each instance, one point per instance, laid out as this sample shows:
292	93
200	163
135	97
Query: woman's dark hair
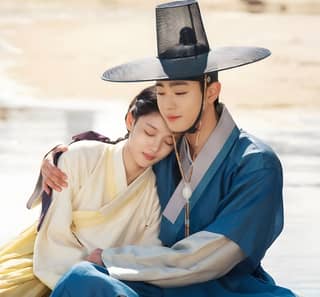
143	104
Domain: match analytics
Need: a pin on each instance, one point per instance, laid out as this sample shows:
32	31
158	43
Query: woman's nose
155	145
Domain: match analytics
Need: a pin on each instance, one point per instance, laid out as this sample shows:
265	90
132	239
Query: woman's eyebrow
150	125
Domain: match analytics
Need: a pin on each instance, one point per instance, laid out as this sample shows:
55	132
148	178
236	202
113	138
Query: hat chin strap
194	127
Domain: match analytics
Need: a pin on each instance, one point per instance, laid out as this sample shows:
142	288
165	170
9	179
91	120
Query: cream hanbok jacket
97	210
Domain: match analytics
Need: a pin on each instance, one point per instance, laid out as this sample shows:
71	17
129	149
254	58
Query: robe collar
211	156
116	182
119	170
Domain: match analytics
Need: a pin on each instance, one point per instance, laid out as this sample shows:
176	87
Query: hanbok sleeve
198	258
56	247
251	214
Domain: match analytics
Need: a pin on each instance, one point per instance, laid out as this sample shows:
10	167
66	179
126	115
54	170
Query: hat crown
180	31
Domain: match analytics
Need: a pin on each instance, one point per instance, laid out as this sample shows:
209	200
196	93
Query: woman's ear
129	121
213	91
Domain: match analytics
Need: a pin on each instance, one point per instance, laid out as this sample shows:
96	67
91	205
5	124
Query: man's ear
129	121
213	91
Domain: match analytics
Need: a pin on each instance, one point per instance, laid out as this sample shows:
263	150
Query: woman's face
150	140
179	103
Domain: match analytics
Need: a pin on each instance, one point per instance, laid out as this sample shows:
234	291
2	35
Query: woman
111	200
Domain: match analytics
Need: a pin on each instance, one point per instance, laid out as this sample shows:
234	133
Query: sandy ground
57	51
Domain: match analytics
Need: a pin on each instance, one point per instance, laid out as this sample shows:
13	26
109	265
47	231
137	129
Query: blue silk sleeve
251	214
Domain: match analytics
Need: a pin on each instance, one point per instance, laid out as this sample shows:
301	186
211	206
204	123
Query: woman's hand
52	176
95	257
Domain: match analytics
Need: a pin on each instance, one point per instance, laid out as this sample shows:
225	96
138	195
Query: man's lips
149	157
172	118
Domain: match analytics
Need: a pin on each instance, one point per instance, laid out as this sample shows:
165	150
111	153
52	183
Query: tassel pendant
187	191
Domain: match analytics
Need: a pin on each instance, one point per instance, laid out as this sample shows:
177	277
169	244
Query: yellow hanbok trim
84	219
16	267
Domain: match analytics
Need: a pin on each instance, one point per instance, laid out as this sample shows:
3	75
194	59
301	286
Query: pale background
53	52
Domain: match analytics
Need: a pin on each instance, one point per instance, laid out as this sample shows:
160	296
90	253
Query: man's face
179	103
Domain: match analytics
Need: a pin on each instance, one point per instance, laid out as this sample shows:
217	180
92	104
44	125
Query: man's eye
180	93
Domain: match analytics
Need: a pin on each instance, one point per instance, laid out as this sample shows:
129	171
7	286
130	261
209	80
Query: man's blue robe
240	196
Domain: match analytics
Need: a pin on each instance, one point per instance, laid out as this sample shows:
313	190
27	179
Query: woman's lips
149	157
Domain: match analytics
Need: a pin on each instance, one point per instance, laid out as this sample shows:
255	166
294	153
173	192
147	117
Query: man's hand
52	176
95	257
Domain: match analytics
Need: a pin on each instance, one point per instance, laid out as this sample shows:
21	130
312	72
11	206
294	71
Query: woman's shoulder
85	146
84	152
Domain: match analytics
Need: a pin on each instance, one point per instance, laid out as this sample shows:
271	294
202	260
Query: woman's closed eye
149	133
169	141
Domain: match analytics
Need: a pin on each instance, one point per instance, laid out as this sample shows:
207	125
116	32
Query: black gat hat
183	49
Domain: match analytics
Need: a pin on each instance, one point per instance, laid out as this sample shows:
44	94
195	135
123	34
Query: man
221	192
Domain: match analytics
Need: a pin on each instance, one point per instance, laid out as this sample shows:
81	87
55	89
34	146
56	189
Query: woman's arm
56	247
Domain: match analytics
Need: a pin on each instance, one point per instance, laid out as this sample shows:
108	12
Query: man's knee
85	274
87	279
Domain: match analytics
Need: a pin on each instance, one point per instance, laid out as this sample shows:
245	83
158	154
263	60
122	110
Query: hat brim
217	59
